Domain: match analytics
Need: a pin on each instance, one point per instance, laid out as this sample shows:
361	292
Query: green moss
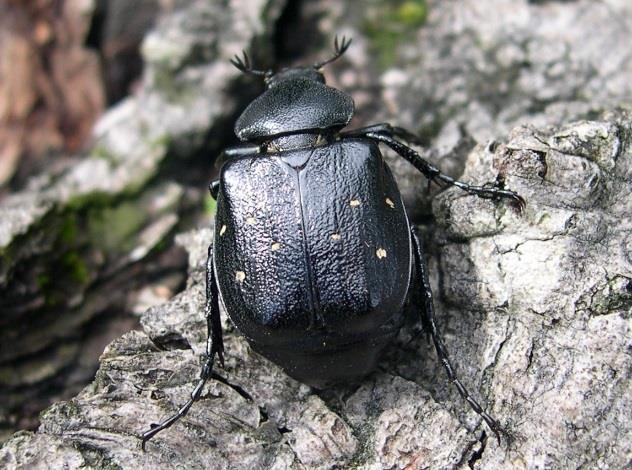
162	245
431	129
383	45
68	230
43	281
92	199
102	152
160	142
63	275
389	24
210	205
112	228
171	88
75	267
412	13
164	82
616	295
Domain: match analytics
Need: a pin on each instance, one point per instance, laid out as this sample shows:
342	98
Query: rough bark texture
535	308
453	70
118	29
78	240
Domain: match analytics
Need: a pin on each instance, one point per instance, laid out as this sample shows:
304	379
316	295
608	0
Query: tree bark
534	308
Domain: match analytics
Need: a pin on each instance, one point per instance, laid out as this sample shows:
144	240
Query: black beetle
314	256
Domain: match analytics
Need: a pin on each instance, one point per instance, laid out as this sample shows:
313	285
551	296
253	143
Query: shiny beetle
314	256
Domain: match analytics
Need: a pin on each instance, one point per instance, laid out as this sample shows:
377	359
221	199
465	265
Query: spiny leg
486	191
385	128
214	346
428	321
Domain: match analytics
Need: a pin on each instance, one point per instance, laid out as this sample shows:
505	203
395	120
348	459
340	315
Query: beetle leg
214	346
385	128
214	338
242	150
428	321
486	191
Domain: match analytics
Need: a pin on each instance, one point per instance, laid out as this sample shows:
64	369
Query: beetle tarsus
214	347
428	320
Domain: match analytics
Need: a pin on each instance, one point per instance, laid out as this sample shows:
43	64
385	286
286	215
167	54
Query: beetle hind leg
429	322
214	347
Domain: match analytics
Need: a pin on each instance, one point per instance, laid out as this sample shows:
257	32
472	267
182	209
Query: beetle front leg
385	128
242	150
429	322
486	191
214	347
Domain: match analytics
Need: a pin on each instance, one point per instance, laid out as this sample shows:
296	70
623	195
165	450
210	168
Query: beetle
314	256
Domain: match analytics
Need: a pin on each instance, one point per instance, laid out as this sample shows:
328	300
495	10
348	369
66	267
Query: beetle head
296	101
294	73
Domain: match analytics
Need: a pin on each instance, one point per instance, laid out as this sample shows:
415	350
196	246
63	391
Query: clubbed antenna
245	66
339	49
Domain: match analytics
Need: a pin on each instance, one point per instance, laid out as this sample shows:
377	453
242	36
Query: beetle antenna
245	66
339	49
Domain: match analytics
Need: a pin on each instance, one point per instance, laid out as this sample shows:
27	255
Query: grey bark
534	307
477	69
86	240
